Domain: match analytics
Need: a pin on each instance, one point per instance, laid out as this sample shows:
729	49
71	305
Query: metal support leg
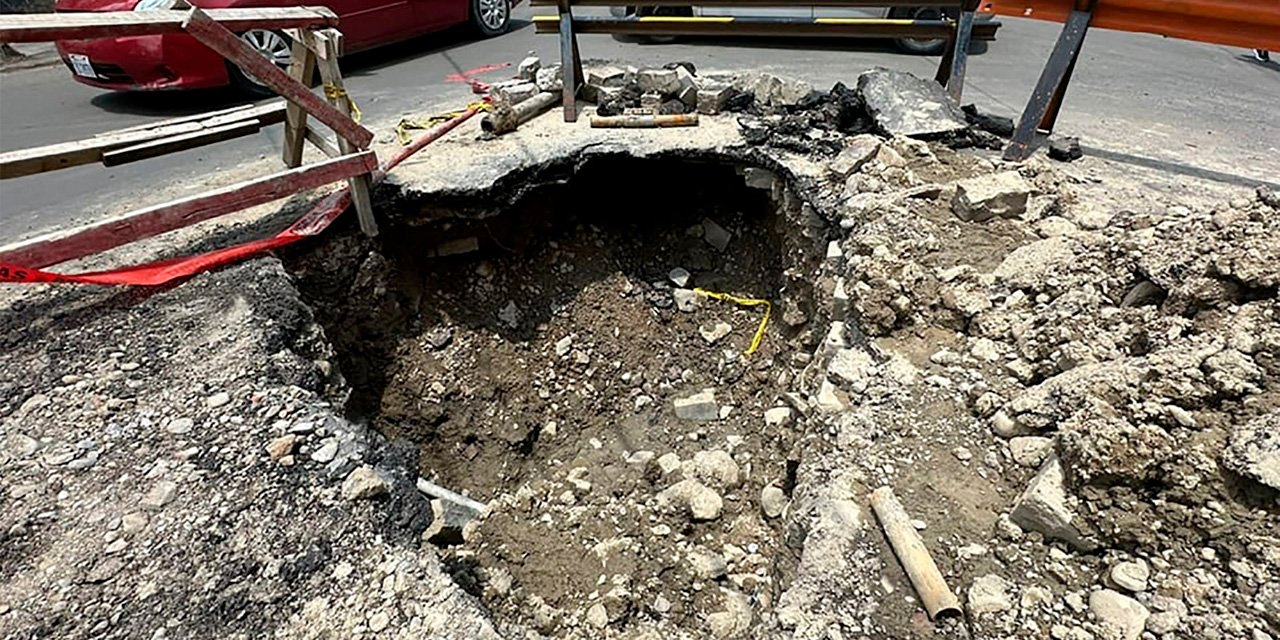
960	51
1042	109
570	63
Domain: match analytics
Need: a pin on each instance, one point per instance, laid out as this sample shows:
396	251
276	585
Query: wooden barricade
951	69
316	45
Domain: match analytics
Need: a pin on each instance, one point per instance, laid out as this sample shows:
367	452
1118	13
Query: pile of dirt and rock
534	407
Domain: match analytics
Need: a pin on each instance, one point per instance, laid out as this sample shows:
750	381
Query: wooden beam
322	143
302	66
218	38
24	162
181	142
47	27
269	113
97	237
327	45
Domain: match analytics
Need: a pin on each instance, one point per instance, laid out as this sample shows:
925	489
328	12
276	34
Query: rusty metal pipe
645	122
505	118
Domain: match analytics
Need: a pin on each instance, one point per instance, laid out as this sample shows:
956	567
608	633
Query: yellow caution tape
746	302
405	124
334	92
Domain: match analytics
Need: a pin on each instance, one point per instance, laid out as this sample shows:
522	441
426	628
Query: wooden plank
25	162
302	66
180	142
269	113
218	38
195	117
327	45
97	237
47	27
322	143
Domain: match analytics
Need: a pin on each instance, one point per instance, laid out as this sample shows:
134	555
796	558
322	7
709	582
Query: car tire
276	46
491	17
681	12
919	46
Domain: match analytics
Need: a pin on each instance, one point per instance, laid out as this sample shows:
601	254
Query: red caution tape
312	223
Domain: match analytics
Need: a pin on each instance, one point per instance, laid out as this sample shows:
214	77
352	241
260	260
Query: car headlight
155	5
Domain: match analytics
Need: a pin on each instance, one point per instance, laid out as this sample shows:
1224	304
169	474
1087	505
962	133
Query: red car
179	61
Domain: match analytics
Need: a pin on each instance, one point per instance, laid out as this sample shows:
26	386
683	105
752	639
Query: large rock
364	483
903	104
715	467
1254	450
1043	507
1119	616
981	198
1031	266
694	498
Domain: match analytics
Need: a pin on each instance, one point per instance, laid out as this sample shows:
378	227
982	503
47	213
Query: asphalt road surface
1189	108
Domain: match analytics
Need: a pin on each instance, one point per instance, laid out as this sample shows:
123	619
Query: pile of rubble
546	427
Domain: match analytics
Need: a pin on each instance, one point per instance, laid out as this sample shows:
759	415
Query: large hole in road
535	352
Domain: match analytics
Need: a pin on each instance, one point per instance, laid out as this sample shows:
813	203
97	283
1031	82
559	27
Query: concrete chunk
984	197
660	81
903	104
1043	507
448	519
701	406
858	151
513	91
528	68
1121	617
1253	450
771	90
712	100
550	78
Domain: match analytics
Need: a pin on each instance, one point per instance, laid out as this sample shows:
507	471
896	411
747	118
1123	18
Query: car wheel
679	12
491	17
274	46
920	46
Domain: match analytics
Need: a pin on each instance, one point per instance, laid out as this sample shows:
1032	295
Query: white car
926	46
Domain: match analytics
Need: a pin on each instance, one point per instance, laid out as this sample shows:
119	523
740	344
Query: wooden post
218	38
570	64
302	67
327	43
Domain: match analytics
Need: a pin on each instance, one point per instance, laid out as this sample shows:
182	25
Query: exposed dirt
581	384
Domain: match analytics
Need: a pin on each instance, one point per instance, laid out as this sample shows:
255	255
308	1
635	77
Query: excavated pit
534	351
